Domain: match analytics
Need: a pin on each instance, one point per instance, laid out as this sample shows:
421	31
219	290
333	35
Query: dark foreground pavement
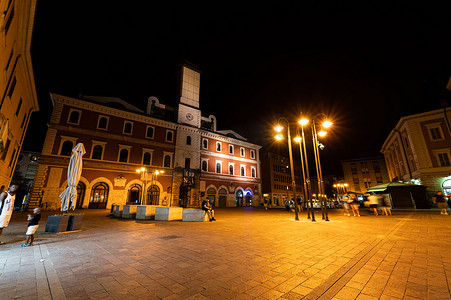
247	254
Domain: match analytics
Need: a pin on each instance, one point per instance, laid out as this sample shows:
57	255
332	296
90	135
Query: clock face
189	116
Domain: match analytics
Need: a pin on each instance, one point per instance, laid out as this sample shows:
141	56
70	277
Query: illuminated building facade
17	86
362	173
418	150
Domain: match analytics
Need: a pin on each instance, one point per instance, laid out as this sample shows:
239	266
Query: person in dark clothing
33	224
208	209
440	200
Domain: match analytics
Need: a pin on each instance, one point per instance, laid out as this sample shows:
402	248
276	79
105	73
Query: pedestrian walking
440	200
299	202
386	206
346	204
7	206
355	205
373	203
33	224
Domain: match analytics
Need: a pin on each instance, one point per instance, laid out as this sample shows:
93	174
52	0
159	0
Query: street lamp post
300	140
293	183
304	122
144	174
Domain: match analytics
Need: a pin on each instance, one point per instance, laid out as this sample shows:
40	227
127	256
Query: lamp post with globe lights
305	174
279	137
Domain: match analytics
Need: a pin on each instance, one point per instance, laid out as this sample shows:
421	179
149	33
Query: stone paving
249	253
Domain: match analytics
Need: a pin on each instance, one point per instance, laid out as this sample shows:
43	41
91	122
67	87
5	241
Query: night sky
365	68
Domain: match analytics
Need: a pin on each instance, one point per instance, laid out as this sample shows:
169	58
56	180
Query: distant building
362	173
193	158
418	150
17	86
276	179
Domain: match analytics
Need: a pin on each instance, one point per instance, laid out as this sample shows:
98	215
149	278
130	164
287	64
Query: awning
385	186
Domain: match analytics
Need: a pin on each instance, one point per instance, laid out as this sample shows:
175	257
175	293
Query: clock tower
188	110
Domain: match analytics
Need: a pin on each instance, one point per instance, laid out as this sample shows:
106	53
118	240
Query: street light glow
278	128
143	169
322	133
297	139
303	122
279	137
327	124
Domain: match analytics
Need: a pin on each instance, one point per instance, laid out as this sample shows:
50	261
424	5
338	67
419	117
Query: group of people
378	204
7	199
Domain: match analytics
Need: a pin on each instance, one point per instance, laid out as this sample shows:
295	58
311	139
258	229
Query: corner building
120	138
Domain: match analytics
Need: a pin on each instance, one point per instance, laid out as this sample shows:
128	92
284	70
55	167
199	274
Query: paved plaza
248	253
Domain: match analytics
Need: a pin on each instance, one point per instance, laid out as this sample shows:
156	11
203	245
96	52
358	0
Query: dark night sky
365	68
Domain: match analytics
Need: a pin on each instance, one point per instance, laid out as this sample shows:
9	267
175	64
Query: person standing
386	207
373	203
355	205
7	206
33	224
346	204
440	200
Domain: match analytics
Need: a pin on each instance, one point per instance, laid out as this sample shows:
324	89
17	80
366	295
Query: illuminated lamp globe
327	124
303	122
297	139
322	133
278	128
279	137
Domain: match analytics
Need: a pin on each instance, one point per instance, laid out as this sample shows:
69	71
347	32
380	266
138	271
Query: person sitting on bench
208	209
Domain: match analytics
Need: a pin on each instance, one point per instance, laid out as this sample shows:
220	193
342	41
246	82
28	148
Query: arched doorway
222	197
99	195
134	195
239	198
211	194
447	187
81	190
248	198
153	195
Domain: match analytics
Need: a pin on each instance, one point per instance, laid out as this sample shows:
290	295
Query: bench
129	211
146	212
168	213
194	215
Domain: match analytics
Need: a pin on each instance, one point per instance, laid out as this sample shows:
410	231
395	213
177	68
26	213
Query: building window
435	133
147	158
205	143
5	149
242	153
187	163
167	161
243	171
102	122
150	132
252	153
169	136
444	159
123	155
231	150
74	116
99	196
12	87
218	167
97	149
134	195
188	140
9	21
18	107
128	127
218	146
253	172
23	121
66	148
231	169
204	166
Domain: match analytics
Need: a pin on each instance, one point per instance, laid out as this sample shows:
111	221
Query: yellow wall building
17	86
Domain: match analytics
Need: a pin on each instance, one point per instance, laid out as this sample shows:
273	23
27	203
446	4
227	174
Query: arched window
204	166
66	149
146	158
74	117
218	146
253	172
103	122
149	132
218	168
81	189
168	136
97	152
99	195
230	149
167	161
134	195
231	169
242	171
205	144
188	140
153	195
128	127
123	155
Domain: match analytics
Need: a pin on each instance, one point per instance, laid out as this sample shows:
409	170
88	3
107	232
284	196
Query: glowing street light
322	133
327	124
279	137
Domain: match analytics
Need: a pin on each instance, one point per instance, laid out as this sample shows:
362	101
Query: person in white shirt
7	206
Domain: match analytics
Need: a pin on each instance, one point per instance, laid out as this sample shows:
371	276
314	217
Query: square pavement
249	253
